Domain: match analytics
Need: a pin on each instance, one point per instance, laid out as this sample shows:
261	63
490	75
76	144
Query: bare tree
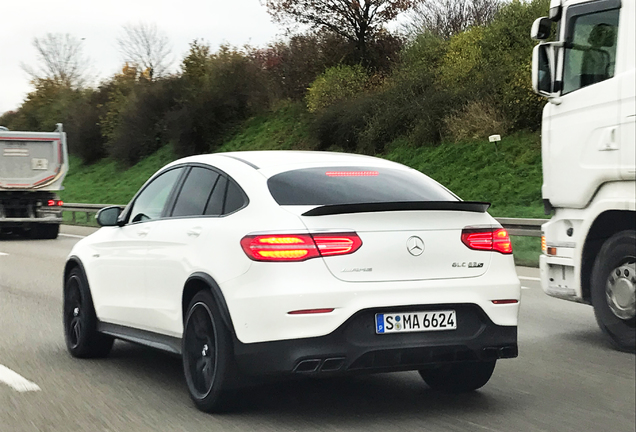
146	48
446	18
60	59
356	20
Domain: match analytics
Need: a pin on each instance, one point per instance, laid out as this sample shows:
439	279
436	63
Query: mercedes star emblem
415	246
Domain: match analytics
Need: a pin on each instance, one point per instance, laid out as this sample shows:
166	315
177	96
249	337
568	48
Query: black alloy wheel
80	322
72	313
208	362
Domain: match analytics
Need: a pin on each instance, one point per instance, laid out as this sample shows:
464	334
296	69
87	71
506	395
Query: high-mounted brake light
488	239
352	173
298	247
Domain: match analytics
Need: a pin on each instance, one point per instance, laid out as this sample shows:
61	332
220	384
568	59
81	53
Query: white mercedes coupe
311	263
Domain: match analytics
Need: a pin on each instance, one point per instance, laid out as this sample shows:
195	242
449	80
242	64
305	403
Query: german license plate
39	164
415	321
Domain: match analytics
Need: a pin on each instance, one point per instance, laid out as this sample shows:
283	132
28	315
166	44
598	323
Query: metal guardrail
515	226
522	227
88	209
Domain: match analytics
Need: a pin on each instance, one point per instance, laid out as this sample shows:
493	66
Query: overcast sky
237	22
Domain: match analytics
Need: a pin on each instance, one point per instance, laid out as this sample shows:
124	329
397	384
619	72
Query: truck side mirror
543	69
541	29
108	216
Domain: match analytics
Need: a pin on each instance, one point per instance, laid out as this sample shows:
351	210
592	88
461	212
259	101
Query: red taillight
338	244
488	239
60	203
501	241
298	247
53	203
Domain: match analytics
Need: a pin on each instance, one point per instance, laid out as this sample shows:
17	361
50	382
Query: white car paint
137	272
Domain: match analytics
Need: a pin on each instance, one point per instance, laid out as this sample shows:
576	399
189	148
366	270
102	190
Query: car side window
195	192
590	52
234	198
214	206
151	201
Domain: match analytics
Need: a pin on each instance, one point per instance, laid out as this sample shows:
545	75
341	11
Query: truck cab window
590	53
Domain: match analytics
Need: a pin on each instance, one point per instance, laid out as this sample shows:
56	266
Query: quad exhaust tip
320	365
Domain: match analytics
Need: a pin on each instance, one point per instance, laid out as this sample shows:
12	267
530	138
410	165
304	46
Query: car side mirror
541	29
543	70
109	216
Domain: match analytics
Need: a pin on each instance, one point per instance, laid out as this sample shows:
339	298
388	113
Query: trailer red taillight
487	239
298	247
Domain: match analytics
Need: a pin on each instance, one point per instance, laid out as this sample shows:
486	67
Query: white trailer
588	150
32	168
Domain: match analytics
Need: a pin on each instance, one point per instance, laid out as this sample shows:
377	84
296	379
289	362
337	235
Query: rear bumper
355	347
50	218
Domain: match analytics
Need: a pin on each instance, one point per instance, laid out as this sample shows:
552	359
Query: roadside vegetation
427	96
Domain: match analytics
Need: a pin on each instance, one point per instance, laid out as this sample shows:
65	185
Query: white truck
32	168
588	150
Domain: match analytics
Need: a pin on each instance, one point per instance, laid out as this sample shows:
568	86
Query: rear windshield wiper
467	206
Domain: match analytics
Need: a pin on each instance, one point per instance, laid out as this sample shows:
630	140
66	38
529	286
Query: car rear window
351	185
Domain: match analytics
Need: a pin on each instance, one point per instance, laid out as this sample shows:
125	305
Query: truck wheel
613	289
80	322
459	377
45	231
208	362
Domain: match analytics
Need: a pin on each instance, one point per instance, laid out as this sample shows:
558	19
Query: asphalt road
565	379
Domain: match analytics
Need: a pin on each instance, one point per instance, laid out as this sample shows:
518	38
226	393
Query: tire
208	356
44	231
613	290
459	377
80	322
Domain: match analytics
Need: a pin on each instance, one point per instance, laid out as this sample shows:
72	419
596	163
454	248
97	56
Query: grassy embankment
507	175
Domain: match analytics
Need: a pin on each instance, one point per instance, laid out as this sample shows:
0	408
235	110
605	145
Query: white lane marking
527	278
16	381
3	254
72	235
525	287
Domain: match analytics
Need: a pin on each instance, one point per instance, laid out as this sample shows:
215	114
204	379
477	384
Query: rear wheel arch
202	281
604	226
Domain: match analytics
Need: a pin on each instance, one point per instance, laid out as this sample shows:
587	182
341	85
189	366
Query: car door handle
194	232
143	232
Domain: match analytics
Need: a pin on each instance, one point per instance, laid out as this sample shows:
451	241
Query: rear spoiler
466	206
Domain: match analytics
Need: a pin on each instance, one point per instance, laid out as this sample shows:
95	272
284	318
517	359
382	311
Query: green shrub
142	126
83	128
45	106
424	53
476	120
507	56
340	126
460	69
336	84
228	87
